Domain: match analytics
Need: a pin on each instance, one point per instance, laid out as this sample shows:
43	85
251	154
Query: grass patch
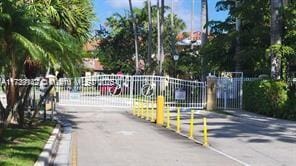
23	146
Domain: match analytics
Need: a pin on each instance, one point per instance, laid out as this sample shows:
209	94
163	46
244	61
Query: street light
176	58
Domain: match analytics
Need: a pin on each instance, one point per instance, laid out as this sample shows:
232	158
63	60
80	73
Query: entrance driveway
113	137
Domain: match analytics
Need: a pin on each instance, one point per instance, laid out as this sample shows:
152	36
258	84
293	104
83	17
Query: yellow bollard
191	127
147	110
205	132
152	112
142	109
138	109
168	118
159	110
133	109
178	121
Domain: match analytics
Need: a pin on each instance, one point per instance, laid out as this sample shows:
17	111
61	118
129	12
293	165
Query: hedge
269	98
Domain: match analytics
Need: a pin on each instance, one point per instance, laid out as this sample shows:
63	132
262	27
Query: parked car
110	89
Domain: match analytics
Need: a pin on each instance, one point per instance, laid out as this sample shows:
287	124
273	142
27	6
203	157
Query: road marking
213	149
126	133
74	150
228	156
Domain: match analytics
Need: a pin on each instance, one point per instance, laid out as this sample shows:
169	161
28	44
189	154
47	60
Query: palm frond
36	52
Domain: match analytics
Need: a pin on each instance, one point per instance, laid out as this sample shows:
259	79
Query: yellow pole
142	109
147	110
178	121
168	118
133	109
205	132
191	128
138	108
152	112
159	110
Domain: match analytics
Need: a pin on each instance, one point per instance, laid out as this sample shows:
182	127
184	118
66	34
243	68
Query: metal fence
126	91
229	92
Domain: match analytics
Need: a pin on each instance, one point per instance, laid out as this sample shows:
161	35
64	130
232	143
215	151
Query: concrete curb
49	149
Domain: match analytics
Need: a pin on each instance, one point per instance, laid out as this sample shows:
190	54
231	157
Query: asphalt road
245	139
114	137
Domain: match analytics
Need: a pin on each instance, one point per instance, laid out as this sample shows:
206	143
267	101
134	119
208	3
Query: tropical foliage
254	35
32	40
117	45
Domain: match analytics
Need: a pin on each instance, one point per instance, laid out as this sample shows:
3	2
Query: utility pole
149	34
135	36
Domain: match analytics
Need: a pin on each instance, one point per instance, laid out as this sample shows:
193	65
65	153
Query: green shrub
266	97
290	108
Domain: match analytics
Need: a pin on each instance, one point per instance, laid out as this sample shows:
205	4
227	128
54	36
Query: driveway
106	136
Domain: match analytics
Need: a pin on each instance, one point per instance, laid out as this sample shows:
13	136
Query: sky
105	9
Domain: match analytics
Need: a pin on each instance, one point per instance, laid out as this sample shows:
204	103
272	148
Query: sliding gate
123	91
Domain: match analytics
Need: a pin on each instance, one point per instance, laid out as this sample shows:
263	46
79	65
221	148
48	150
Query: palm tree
204	21
275	37
149	33
76	20
25	39
161	35
237	45
135	36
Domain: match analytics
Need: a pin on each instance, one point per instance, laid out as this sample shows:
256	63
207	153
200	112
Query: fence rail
124	91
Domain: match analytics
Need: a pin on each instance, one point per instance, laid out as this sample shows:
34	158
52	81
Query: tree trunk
11	93
237	57
204	31
21	110
191	24
275	38
173	35
149	35
42	99
161	37
204	21
158	34
285	2
135	36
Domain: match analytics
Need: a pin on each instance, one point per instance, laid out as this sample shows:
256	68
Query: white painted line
213	149
228	156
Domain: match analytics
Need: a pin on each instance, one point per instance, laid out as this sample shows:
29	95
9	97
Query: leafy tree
28	43
117	48
73	16
219	53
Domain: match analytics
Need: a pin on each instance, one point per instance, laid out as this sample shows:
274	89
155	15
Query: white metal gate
229	92
124	91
